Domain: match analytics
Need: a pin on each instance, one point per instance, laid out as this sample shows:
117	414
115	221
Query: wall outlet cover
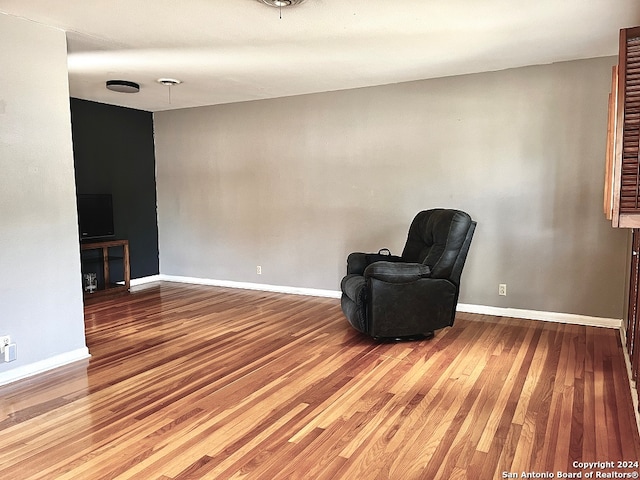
10	352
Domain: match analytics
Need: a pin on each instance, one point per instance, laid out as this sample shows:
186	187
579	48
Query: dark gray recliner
410	296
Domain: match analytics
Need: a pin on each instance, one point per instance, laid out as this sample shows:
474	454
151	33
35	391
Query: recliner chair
412	295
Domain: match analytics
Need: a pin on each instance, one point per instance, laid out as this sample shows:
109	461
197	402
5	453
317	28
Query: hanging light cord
169	82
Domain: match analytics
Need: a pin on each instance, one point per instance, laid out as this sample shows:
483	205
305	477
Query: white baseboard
632	384
144	280
312	292
570	318
467	308
35	368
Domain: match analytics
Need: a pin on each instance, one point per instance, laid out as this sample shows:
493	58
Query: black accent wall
113	150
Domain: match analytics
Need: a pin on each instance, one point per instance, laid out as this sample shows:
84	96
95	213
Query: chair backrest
440	238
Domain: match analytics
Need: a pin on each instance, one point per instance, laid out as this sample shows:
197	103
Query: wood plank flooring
189	382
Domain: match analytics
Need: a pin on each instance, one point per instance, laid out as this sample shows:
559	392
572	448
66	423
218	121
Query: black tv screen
95	216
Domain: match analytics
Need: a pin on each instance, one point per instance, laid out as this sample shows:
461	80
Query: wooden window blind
622	184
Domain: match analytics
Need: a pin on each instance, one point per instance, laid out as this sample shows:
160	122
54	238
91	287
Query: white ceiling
238	50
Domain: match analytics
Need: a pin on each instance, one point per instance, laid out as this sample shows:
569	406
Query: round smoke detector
281	3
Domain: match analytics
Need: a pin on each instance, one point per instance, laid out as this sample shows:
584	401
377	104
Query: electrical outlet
10	352
502	289
259	270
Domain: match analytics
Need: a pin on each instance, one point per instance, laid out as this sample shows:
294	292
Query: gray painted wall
40	285
113	153
295	184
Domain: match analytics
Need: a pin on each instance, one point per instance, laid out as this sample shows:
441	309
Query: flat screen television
95	216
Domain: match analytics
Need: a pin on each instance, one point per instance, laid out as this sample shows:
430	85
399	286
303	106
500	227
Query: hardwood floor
191	382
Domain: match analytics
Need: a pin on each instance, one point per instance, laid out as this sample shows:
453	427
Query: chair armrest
353	286
397	272
358	261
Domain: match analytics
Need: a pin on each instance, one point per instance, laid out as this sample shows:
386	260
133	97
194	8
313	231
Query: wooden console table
107	287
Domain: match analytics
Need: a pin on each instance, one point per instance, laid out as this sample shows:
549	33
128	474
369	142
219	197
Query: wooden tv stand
110	254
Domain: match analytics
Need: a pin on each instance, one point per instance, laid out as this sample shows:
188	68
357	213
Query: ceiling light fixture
123	86
169	82
280	4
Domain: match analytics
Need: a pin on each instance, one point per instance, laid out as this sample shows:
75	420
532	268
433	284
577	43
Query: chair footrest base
407	338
